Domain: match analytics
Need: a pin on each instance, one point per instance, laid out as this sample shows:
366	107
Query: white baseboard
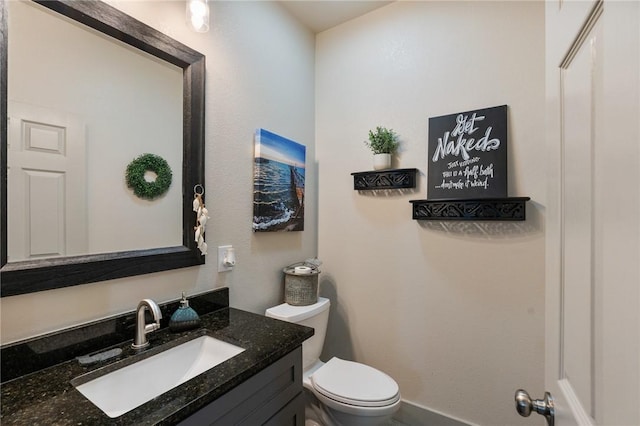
412	414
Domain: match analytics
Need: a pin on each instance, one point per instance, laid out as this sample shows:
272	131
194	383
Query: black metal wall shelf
385	179
511	208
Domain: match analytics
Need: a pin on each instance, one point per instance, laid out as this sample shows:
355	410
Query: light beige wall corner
260	73
454	311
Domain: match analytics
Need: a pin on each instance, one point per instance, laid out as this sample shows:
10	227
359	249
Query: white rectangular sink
129	387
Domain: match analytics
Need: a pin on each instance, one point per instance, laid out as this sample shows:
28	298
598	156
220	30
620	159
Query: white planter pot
381	161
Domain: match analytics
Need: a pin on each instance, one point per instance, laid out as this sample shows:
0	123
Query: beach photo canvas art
278	183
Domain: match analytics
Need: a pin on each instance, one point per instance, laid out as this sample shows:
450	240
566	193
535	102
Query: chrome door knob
545	407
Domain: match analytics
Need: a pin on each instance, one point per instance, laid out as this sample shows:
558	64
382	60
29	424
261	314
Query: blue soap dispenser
184	318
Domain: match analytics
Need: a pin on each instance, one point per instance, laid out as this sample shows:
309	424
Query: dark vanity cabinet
272	397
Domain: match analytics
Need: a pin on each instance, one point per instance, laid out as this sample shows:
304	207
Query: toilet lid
355	384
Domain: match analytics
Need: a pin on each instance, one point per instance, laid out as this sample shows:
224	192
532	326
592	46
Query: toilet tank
315	316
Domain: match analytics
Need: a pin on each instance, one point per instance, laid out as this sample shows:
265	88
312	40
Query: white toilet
346	392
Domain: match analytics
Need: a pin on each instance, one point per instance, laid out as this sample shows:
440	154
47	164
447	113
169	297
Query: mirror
184	70
81	107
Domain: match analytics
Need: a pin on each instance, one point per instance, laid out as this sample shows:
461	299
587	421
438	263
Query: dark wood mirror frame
46	274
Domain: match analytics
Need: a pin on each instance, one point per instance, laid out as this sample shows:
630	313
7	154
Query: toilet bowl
342	392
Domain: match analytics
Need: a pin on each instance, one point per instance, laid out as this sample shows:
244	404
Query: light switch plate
221	265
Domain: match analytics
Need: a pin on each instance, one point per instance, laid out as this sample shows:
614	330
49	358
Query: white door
593	234
46	183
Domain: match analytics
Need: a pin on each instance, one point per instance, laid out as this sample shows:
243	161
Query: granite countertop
47	396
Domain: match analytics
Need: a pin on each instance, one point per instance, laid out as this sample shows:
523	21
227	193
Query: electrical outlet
222	250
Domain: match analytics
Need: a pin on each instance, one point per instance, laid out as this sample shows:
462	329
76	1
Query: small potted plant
383	142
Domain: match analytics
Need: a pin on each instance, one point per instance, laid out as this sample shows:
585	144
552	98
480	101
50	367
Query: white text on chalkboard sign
465	126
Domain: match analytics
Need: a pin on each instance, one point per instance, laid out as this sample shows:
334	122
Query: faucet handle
148	328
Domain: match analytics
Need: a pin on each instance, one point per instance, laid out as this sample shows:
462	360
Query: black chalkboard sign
468	155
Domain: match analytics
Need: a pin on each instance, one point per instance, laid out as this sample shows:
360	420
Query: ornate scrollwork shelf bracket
385	179
511	208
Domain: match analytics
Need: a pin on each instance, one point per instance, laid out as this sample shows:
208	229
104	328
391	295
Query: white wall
453	311
260	73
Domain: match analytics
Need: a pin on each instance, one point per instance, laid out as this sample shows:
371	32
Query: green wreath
136	181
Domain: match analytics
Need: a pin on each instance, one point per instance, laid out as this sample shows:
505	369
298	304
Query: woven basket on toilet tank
301	284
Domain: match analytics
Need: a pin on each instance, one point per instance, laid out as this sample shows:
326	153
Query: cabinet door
291	414
259	398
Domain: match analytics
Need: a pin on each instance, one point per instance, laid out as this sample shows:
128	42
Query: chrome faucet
142	328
